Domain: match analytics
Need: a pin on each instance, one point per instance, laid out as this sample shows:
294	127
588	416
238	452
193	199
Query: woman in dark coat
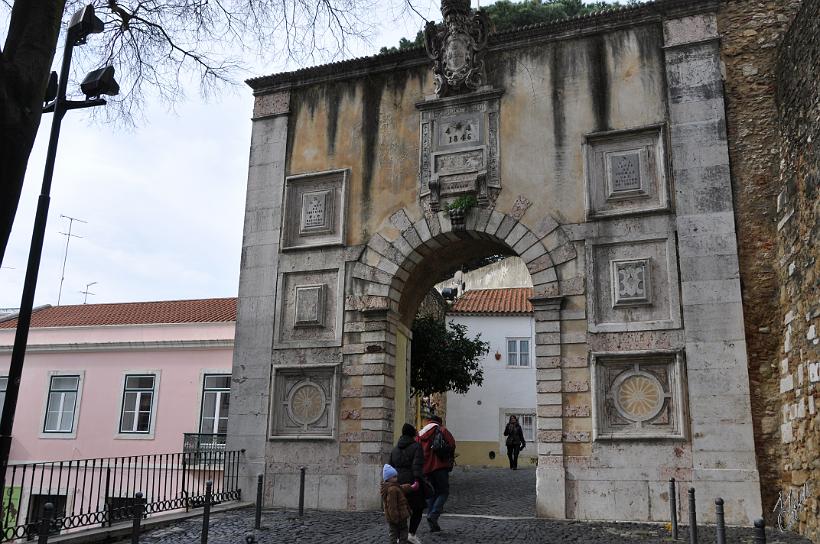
515	441
408	459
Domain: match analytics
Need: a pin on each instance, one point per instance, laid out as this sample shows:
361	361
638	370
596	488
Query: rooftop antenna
87	292
68	237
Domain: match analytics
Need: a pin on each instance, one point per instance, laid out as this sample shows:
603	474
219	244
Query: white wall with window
132	379
477	418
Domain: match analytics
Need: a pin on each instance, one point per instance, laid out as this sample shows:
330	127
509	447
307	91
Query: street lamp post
99	82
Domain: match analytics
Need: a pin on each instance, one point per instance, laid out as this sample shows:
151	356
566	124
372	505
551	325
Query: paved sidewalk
369	528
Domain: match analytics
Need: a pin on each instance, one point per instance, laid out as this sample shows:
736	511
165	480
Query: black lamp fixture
83	23
100	82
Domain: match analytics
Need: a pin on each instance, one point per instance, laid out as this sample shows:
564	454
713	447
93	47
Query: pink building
118	380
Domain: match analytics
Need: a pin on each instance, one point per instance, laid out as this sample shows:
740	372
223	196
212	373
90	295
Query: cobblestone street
475	495
492	492
370	528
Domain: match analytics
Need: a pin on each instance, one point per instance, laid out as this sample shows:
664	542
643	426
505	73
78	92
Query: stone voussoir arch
385	264
380	276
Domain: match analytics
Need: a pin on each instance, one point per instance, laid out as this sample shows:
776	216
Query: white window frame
60	435
530	439
517	352
203	391
138	435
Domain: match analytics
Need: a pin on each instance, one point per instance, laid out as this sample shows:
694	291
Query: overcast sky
164	202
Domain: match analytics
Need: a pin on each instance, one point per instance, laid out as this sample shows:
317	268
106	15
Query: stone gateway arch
595	150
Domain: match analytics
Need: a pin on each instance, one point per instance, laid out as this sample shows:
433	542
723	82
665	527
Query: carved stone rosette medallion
456	47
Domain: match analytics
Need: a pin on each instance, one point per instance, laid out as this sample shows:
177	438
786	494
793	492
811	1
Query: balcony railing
102	491
197	442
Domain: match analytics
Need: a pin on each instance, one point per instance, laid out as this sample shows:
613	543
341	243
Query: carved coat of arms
456	47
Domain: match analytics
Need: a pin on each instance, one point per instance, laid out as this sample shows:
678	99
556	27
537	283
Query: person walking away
515	441
396	509
439	448
408	460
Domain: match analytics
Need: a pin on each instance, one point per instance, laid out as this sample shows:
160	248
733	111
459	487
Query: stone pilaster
253	346
723	452
551	476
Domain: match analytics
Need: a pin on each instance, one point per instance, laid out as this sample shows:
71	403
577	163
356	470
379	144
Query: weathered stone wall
606	141
797	264
750	35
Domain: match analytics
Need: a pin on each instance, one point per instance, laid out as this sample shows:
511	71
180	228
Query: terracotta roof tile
511	300
209	310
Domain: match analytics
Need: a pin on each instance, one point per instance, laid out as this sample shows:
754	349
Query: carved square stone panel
309	306
303	402
626	172
459	149
638	395
632	284
313	213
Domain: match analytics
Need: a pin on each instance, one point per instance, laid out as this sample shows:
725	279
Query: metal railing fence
101	491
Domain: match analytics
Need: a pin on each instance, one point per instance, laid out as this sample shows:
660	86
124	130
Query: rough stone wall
750	35
433	304
798	269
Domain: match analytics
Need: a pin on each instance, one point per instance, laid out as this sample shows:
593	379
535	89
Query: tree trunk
25	64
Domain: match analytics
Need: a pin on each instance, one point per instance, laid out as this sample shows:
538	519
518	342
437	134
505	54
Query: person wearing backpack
439	447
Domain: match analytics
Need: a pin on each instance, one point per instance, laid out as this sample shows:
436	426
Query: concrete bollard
206	513
693	519
258	521
720	524
760	531
673	508
45	523
137	517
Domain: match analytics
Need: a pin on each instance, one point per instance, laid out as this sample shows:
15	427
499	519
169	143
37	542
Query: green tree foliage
444	358
506	15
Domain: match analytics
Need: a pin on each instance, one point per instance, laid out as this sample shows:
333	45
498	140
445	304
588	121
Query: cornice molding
586	25
124	346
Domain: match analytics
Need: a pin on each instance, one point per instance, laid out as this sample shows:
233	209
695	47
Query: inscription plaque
316	211
624	172
459	149
462	130
461	161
